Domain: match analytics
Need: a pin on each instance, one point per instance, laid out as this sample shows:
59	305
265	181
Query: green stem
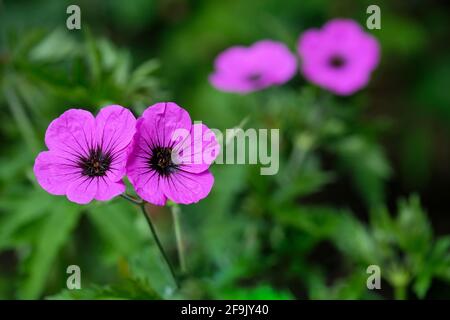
131	199
295	162
175	209
400	292
158	243
141	204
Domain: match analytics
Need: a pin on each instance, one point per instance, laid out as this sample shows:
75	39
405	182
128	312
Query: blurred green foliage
310	231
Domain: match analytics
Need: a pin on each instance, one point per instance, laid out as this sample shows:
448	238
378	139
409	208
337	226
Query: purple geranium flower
87	156
170	157
340	57
264	64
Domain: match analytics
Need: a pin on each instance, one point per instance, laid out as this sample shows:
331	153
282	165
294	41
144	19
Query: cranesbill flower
245	69
170	156
86	155
339	57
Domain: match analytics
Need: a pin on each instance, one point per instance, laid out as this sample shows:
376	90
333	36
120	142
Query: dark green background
363	179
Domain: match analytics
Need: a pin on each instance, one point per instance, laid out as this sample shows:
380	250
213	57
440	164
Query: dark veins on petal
160	161
96	163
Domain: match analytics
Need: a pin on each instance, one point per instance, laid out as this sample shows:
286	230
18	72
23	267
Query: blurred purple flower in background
340	57
245	69
87	156
151	168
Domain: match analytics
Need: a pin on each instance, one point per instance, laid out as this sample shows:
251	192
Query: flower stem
175	209
131	199
158	242
400	292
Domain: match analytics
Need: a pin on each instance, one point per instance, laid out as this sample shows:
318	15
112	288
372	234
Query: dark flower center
96	164
254	77
161	161
337	61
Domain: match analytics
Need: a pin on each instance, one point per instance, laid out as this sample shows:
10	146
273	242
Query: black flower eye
254	77
96	164
337	61
161	161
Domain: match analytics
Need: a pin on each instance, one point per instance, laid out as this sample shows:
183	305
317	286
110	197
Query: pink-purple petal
87	156
197	152
345	39
72	133
166	126
245	69
115	127
107	189
54	173
149	188
186	187
117	168
82	190
144	180
161	121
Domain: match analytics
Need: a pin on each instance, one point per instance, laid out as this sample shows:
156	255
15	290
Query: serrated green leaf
413	229
320	222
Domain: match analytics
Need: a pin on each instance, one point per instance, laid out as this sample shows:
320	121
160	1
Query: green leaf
60	39
149	267
441	252
93	57
213	231
353	239
55	232
21	212
413	229
116	223
261	292
22	120
320	222
130	289
436	264
145	69
305	183
340	227
367	165
351	287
